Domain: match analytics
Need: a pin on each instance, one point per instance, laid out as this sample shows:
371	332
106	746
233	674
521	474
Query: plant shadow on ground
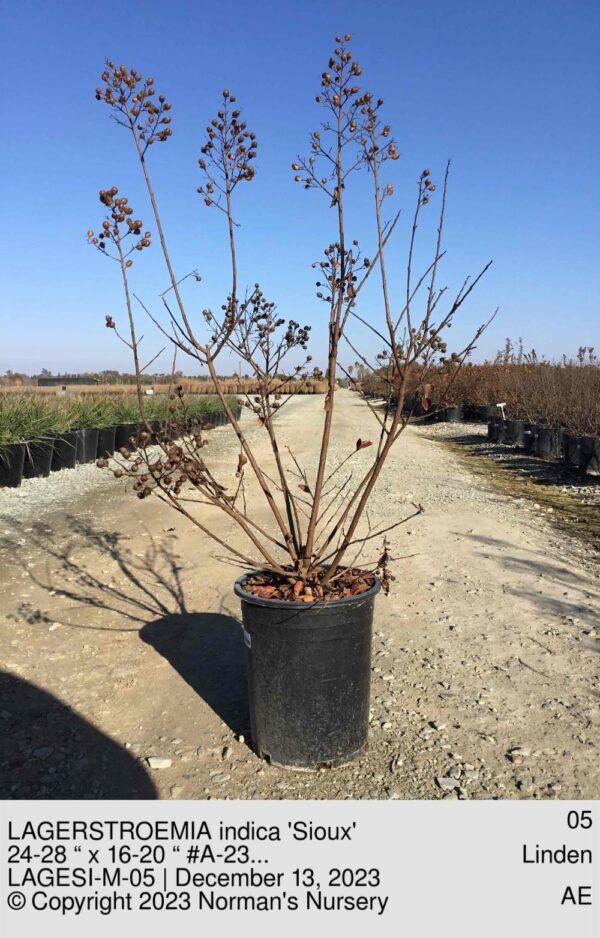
205	648
513	472
574	605
49	751
208	652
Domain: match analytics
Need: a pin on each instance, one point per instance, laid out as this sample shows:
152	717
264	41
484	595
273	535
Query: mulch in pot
348	582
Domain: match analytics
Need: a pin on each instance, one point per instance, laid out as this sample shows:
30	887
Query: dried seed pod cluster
340	269
135	103
228	153
112	233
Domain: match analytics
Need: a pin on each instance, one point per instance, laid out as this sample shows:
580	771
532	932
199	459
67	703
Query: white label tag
247	639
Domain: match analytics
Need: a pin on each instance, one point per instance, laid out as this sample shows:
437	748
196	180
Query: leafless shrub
315	517
563	393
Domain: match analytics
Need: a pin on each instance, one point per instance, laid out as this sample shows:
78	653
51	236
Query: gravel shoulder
120	640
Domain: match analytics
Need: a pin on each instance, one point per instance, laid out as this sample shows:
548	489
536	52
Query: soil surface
123	660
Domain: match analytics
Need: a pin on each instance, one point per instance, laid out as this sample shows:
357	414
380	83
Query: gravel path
121	643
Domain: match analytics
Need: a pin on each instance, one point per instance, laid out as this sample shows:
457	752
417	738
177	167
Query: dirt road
120	641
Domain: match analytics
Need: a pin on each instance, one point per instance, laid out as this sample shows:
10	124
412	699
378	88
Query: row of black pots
472	413
38	458
551	443
455	413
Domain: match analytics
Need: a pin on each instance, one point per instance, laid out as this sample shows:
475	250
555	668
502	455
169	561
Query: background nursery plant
314	548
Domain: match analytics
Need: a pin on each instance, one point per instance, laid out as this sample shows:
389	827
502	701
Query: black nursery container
38	459
453	414
155	436
513	432
309	676
87	444
409	404
482	412
65	451
549	443
501	436
572	451
106	442
530	437
123	434
470	413
590	460
12	457
493	434
582	453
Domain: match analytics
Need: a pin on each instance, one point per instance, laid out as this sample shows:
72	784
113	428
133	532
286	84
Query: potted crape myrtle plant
309	583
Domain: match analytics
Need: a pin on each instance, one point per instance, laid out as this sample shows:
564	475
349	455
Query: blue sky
508	90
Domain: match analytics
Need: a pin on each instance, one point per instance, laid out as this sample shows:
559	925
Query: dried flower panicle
111	232
135	104
228	153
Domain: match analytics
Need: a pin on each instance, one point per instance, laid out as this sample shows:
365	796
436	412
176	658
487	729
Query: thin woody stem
287	495
161	234
134	341
334	335
252	460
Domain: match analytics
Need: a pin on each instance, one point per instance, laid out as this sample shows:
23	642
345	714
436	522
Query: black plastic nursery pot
38	459
493	429
480	412
590	454
168	433
530	437
582	453
106	442
12	457
155	426
501	431
453	414
513	432
573	455
309	676
409	404
87	444
65	451
549	444
123	434
425	414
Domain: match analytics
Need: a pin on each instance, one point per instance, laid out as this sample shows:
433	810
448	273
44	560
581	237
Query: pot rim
295	604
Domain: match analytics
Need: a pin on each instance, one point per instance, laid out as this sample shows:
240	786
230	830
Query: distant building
53	381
